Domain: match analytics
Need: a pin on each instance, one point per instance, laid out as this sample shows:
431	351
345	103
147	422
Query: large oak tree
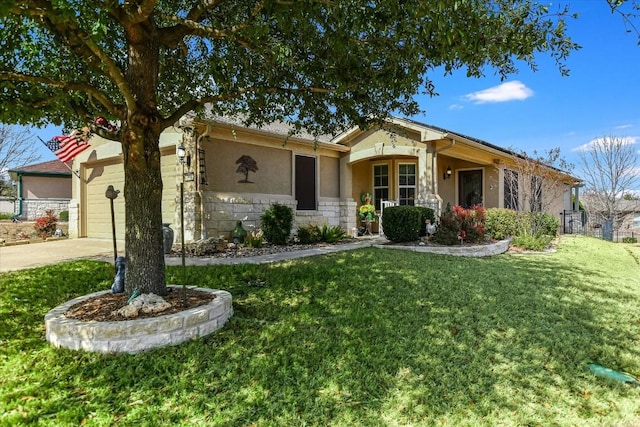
318	64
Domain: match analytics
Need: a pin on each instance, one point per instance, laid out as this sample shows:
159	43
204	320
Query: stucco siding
274	175
329	176
46	187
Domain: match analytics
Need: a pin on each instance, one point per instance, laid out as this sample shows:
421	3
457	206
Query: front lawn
371	337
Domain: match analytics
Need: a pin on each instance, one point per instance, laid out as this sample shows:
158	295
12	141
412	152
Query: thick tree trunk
143	197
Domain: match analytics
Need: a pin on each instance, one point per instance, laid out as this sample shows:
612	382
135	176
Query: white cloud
625	140
455	107
509	91
623	126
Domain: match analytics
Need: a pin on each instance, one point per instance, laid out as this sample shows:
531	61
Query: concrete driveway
37	254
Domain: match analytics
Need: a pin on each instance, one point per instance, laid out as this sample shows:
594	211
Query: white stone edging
132	336
469	250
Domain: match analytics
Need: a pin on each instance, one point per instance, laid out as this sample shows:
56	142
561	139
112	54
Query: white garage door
96	210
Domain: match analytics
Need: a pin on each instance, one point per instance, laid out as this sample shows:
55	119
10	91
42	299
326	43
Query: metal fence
577	222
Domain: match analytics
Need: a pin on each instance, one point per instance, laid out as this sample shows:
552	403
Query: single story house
627	215
40	187
233	172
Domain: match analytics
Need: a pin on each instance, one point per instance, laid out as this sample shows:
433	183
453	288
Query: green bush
544	224
331	234
254	239
309	234
532	243
314	234
276	224
64	216
501	223
629	240
402	223
6	215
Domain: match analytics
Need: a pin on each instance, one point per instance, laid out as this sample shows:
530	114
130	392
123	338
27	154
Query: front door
470	188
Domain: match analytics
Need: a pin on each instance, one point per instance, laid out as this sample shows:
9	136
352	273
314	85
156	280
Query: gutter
19	197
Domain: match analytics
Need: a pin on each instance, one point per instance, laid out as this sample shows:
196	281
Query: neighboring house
40	187
627	216
235	173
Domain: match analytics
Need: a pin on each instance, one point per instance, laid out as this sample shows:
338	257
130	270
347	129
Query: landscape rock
145	303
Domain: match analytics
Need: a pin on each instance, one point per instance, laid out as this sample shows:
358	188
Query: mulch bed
104	308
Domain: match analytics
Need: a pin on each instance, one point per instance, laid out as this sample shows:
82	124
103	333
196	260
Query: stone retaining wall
457	250
132	336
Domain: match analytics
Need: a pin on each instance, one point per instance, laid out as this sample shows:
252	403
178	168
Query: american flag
68	147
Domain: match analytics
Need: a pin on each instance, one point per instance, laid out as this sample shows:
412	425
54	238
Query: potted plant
367	212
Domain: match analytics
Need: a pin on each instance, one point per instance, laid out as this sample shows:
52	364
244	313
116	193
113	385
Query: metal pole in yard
112	194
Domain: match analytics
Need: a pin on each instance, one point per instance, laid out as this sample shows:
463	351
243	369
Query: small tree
17	148
609	166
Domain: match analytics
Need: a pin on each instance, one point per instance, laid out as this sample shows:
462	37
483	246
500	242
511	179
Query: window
636	220
510	189
305	175
536	193
380	184
407	184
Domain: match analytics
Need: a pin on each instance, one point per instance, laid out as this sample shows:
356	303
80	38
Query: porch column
428	184
192	201
348	207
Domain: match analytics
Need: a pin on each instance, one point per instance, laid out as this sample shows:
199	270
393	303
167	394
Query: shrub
254	239
501	223
46	225
276	223
629	240
467	223
331	234
6	215
448	228
309	234
314	234
402	223
544	224
64	216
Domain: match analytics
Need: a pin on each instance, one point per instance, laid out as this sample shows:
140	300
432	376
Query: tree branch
80	42
69	86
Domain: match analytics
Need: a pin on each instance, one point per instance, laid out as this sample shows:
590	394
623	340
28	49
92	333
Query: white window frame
376	200
414	186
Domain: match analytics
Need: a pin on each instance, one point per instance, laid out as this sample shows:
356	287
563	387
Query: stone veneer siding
222	211
135	335
35	208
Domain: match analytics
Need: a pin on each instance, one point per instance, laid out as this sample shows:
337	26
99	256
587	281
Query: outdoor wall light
447	173
181	153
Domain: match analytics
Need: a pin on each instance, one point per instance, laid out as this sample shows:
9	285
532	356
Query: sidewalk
37	254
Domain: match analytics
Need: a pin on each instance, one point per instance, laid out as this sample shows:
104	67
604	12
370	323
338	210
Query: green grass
365	338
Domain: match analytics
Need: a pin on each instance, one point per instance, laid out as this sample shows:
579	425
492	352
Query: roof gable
53	167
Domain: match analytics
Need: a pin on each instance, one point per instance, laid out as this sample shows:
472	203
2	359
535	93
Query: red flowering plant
46	225
471	222
459	225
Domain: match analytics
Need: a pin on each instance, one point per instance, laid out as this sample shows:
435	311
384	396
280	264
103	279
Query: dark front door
470	188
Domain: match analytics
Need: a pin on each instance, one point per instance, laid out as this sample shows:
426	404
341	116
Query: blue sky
543	110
